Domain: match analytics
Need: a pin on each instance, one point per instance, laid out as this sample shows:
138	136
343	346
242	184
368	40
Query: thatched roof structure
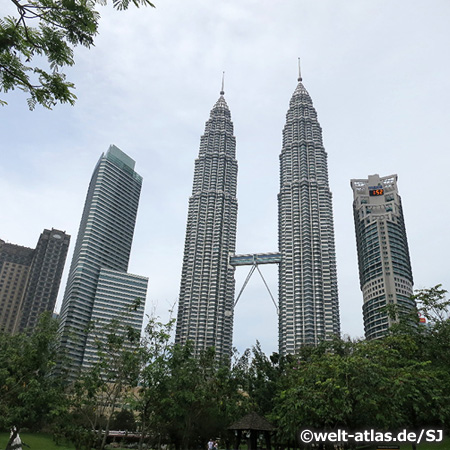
252	421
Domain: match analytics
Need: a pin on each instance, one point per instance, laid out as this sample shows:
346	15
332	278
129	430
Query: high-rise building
308	293
383	257
205	309
119	296
30	279
15	263
44	278
101	255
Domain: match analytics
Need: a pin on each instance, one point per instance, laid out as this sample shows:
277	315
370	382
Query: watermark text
308	436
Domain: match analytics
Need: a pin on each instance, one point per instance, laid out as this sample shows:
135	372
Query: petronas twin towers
308	295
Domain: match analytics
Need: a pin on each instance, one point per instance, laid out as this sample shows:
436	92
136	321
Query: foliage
109	382
148	399
47	30
432	337
400	381
261	377
432	303
124	420
30	394
183	399
192	398
370	384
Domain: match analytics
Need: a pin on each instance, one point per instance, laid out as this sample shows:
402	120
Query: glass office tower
104	242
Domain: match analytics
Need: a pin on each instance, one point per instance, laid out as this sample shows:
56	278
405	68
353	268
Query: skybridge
254	260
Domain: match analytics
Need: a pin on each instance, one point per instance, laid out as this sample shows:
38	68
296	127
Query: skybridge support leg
252	269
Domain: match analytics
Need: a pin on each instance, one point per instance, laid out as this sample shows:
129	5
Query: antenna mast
223	83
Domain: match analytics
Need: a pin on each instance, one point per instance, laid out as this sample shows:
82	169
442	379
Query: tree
433	304
148	399
124	420
110	381
432	338
326	389
30	393
388	384
185	398
47	29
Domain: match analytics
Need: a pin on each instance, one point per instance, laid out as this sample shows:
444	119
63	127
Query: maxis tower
383	256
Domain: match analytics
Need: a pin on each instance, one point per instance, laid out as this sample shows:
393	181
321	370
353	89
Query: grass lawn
36	441
444	445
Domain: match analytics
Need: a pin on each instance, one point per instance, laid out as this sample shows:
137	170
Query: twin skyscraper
308	294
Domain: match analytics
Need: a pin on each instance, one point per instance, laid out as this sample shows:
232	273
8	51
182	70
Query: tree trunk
141	438
108	422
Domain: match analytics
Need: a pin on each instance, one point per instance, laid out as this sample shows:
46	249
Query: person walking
14	442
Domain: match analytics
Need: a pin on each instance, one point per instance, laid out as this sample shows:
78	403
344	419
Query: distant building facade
44	278
383	256
30	280
15	263
206	302
98	286
119	296
308	292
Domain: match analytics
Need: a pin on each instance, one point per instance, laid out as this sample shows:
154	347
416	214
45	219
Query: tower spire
299	71
223	82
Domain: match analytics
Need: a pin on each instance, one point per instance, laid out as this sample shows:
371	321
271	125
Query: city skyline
379	84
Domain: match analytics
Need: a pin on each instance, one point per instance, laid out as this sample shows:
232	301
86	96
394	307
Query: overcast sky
378	72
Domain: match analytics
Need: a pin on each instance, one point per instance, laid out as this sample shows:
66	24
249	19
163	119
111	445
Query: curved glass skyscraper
98	287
